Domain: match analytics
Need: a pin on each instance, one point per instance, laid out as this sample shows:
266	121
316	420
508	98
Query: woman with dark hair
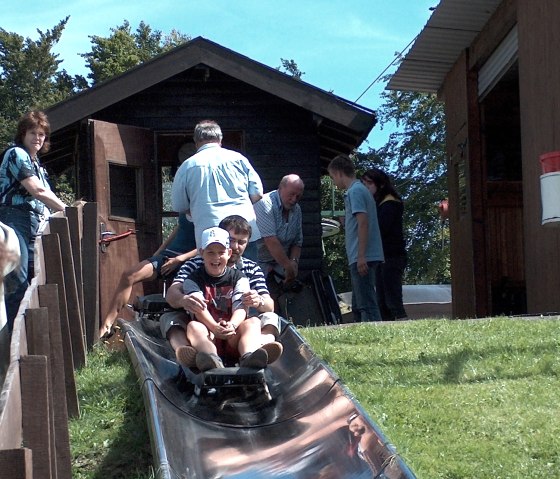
25	199
388	277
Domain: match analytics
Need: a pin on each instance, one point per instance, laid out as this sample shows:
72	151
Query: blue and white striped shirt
249	268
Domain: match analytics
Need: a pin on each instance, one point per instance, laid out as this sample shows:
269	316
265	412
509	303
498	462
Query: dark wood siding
279	138
539	77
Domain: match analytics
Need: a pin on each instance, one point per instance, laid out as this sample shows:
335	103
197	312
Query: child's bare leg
198	336
249	332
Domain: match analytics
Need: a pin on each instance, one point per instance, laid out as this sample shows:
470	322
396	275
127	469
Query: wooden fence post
55	275
90	272
63	383
60	226
16	463
35	413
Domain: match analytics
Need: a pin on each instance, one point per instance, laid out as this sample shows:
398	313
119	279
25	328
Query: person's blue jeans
25	224
364	302
251	251
388	285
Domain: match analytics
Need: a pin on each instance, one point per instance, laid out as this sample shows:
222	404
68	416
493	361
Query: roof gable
201	51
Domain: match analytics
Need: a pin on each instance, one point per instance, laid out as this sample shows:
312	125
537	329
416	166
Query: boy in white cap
222	331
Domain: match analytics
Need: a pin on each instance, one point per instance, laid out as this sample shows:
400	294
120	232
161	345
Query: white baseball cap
215	235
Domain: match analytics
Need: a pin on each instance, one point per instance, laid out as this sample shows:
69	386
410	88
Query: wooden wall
460	191
279	138
539	77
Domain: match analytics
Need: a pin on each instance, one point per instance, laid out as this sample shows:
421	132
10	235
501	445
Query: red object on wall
550	162
443	208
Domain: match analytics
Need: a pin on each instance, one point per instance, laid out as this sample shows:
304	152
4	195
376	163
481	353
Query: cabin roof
342	123
452	27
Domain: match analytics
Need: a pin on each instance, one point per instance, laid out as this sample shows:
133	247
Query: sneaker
186	356
257	359
274	350
205	361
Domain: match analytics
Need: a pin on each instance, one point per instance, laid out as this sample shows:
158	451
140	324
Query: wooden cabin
496	66
120	141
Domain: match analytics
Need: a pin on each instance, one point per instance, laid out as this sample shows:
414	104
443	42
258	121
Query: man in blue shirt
362	239
216	182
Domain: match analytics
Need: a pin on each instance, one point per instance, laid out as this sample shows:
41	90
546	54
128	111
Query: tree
290	67
414	156
30	76
122	50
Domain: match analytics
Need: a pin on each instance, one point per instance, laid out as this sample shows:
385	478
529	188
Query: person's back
218	183
215	182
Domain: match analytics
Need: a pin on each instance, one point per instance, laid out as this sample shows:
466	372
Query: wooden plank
60	226
10	409
36	417
90	273
16	463
62	380
61	348
75	225
55	275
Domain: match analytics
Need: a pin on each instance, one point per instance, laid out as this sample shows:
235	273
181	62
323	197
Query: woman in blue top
25	200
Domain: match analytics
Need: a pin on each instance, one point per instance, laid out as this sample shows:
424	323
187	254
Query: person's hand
362	266
170	265
224	330
251	299
290	272
193	303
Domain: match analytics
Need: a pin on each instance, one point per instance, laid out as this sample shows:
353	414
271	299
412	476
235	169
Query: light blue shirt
15	167
358	199
215	183
272	223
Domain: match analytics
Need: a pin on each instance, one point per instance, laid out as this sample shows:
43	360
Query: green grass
110	439
459	399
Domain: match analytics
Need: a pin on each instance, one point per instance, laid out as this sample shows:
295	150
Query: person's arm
35	188
276	250
255	198
174	263
263	303
189	302
170	238
362	221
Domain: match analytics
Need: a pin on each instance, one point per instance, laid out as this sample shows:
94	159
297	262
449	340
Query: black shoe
205	362
257	359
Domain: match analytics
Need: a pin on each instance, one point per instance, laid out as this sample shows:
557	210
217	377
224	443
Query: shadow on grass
132	444
454	363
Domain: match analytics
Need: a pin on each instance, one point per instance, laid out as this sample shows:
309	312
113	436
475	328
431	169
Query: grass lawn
459	399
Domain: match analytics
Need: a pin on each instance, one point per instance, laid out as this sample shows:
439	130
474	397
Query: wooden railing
57	322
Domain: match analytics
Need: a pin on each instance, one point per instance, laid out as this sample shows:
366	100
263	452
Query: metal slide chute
311	427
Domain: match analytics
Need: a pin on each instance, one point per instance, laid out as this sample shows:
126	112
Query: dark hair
33	119
382	182
207	131
342	163
236	223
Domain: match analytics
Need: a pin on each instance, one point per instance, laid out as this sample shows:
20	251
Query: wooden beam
60	226
62	380
36	417
16	463
90	272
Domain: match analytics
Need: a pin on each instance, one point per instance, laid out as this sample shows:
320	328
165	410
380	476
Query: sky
340	45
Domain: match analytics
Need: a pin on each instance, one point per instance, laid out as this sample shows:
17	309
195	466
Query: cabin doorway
501	142
126	191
